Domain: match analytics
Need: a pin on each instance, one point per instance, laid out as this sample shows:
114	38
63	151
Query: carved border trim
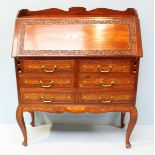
130	22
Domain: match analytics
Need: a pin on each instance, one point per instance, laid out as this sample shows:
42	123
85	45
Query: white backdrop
8	93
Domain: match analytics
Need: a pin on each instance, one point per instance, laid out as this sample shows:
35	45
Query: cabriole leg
132	122
122	119
32	119
21	123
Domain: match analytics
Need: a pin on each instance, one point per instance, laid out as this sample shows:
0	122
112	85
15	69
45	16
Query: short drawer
48	66
46	82
105	97
105	65
108	81
47	98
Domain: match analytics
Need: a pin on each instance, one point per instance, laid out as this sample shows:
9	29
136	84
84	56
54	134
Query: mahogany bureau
77	61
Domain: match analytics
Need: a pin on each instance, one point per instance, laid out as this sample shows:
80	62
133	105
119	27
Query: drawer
53	97
108	81
105	65
106	97
46	82
48	66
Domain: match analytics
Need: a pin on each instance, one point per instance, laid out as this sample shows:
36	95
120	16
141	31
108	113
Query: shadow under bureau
77	61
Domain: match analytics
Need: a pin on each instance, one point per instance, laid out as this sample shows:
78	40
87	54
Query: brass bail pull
106	101
46	101
107	85
49	70
104	70
46	86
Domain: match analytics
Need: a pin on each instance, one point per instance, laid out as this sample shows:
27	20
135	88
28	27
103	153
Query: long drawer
46	82
47	66
47	97
105	65
106	97
108	81
85	97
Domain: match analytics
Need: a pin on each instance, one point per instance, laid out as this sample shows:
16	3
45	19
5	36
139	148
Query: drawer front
48	66
109	82
47	98
105	65
46	82
105	98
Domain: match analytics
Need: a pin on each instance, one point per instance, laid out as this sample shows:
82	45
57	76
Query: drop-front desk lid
77	32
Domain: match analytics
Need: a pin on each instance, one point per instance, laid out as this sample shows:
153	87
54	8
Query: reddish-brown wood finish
80	11
81	37
73	34
94	70
122	119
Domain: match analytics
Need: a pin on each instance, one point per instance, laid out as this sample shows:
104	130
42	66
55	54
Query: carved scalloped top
77	11
77	32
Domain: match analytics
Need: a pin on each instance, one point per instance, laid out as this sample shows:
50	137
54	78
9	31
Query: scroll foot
24	142
128	145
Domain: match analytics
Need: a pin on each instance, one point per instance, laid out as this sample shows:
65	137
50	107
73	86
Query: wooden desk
77	61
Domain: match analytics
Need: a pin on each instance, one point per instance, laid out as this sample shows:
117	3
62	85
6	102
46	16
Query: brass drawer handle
106	101
105	71
46	101
50	70
46	86
107	85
